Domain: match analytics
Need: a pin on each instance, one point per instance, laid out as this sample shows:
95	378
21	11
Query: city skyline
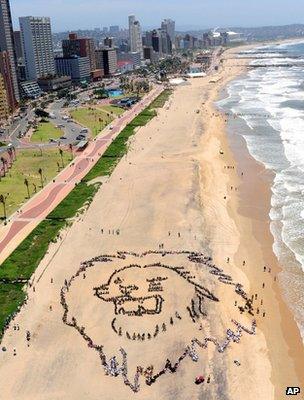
193	15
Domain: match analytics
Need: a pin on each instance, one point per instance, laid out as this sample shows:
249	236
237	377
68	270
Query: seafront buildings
37	45
168	26
106	59
7	46
135	35
81	47
4	110
7	75
78	68
32	62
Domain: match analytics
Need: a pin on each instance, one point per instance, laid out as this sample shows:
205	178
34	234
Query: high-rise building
78	68
81	47
18	45
7	45
135	35
4	110
168	25
160	41
37	46
21	73
6	72
166	43
108	41
107	61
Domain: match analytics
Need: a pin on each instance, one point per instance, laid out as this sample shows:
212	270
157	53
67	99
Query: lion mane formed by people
144	312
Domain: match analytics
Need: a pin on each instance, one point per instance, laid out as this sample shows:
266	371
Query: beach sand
240	227
166	195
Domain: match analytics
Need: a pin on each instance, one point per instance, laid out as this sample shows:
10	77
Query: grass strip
24	260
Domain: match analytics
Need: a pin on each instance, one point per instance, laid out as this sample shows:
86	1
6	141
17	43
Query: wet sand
247	206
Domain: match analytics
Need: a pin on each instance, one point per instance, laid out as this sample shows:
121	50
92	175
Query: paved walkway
38	207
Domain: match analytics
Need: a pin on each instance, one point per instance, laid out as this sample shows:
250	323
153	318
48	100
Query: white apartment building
168	25
37	45
135	35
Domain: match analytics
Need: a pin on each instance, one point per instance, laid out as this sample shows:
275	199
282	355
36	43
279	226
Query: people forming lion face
134	299
143	314
150	292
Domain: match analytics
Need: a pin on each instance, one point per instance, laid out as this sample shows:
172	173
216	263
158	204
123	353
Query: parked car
80	137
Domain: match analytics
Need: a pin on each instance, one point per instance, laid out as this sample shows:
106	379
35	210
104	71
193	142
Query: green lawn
26	167
45	132
22	263
112	110
94	119
11	297
160	101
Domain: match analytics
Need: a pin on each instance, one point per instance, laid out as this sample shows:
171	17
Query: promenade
37	208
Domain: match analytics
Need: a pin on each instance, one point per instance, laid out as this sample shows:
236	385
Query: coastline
247	216
169	193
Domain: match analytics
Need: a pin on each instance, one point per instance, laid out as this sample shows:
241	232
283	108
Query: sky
188	14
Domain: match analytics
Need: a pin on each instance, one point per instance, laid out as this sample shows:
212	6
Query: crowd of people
112	366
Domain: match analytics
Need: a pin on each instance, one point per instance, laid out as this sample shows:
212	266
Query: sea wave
270	102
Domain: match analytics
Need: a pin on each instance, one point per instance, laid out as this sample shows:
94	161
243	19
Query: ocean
269	102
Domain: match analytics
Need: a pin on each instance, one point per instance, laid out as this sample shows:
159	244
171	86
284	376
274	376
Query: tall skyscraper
7	45
6	72
37	44
168	25
160	41
18	45
135	35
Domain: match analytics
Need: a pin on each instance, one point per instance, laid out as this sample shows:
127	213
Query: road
36	209
71	129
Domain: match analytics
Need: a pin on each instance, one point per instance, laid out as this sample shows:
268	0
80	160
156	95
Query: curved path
37	208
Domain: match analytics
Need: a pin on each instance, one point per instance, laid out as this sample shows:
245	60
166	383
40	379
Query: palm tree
61	156
41	177
3	201
71	150
10	153
3	160
26	182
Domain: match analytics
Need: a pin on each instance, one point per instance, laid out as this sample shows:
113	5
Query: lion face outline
117	288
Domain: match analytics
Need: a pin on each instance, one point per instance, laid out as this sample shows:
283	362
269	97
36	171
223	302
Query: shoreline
248	211
173	196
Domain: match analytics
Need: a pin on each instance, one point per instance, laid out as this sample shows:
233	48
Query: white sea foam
269	100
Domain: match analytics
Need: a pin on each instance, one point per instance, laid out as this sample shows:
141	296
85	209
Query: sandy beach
128	303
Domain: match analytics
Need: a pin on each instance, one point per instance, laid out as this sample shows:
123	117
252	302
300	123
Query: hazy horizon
89	14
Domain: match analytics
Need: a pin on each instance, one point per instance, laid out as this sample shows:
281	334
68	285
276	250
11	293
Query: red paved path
37	208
